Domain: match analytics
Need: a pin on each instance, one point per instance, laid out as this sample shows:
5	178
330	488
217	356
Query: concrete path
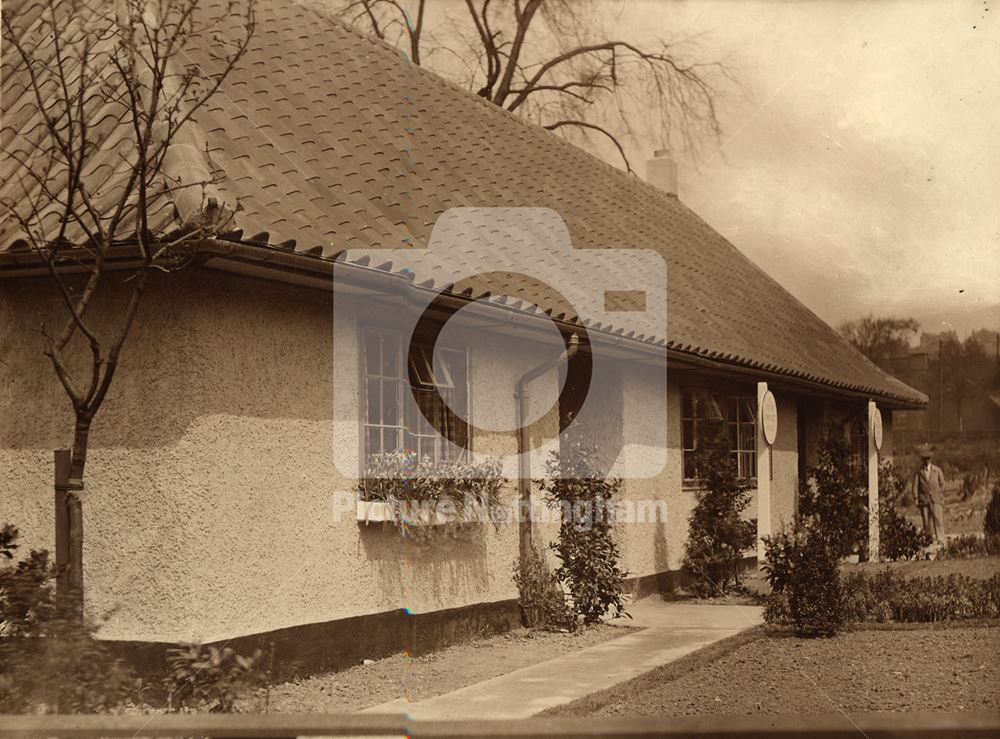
671	630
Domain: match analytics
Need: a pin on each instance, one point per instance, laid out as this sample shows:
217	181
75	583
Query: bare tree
552	61
109	175
880	338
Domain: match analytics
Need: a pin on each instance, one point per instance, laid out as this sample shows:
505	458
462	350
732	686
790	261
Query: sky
860	157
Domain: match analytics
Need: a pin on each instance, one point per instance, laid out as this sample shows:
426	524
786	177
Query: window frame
402	381
723	400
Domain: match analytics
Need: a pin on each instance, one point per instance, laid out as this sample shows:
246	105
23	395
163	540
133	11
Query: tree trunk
73	580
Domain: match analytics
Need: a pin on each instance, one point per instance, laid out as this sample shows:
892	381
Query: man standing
928	491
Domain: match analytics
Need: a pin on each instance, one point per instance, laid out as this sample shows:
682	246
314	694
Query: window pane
420	367
687	404
374	404
748	410
390	439
732	408
390	355
688	434
374	440
713	408
734	440
689	470
373	340
390	402
748	437
443	377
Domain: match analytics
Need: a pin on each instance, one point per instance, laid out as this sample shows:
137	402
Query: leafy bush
837	497
587	553
210	678
964	547
540	596
888	596
717	534
50	660
898	537
814	588
780	555
991	524
801	567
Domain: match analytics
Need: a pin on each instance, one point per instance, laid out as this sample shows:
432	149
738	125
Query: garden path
670	631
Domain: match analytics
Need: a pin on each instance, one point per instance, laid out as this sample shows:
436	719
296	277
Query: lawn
420	678
892	669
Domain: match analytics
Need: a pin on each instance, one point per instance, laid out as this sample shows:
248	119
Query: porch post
874	443
763	476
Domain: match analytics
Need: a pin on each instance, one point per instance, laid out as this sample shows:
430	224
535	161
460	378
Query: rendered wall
207	511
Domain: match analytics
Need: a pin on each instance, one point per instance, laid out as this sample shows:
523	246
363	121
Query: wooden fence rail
967	725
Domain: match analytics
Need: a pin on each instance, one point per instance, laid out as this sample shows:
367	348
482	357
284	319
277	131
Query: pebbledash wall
208	504
209	486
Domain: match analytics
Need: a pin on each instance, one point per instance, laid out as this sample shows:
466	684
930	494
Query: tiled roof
334	141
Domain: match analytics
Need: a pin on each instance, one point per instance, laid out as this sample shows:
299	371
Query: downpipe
523	459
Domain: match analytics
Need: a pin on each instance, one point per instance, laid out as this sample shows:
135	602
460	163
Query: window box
378	511
398	488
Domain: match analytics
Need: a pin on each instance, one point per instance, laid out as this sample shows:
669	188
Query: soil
932	669
979	567
420	678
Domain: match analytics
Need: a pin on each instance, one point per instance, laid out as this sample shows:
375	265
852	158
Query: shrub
991	524
964	547
210	678
837	496
717	534
888	596
801	568
780	552
814	588
588	555
50	660
540	596
898	537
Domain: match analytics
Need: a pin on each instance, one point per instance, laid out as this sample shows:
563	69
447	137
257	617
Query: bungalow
253	388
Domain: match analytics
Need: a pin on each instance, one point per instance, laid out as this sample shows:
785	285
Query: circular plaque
877	428
769	417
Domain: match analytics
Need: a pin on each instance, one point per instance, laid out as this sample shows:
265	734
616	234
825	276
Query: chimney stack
661	172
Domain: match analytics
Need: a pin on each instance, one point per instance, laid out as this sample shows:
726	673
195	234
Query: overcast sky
861	164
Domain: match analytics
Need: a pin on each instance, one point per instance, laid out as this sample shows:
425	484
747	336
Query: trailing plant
718	535
210	678
801	567
837	496
540	595
588	555
414	489
50	659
